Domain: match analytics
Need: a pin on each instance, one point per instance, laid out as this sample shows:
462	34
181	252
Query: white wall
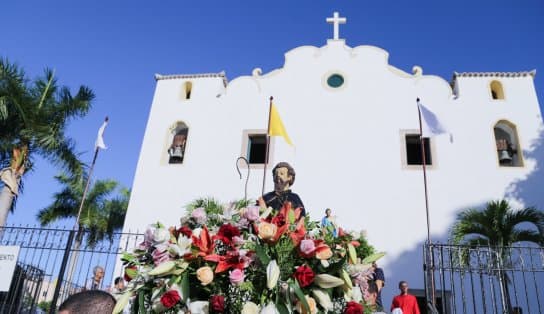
348	145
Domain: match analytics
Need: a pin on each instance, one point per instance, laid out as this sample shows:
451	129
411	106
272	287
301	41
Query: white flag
100	139
430	125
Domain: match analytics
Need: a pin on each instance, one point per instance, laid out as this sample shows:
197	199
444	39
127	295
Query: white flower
270	309
323	299
198	307
327	281
182	247
272	274
161	235
250	308
162	268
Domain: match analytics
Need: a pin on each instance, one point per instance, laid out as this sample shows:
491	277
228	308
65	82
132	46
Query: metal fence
482	279
40	254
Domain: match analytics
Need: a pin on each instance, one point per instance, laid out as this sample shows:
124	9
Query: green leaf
261	254
300	295
282	308
141	303
185	288
291	216
374	257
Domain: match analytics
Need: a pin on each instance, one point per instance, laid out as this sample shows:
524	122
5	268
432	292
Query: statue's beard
280	185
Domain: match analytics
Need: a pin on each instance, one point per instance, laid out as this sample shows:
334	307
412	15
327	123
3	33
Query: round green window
335	80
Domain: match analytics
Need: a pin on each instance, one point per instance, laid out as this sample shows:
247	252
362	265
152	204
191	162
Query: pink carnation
307	247
252	213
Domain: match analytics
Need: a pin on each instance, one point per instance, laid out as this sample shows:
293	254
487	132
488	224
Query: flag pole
267	143
424	167
76	227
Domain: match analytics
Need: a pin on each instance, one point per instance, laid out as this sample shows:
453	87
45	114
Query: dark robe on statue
277	199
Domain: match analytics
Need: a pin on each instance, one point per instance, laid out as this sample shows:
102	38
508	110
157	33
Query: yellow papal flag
276	127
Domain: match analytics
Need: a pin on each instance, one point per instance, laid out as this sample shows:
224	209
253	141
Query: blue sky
115	47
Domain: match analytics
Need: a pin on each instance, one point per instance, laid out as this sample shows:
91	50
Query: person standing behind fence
95	282
88	302
406	302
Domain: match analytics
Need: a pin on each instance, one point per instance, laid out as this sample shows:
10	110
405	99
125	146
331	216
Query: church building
353	120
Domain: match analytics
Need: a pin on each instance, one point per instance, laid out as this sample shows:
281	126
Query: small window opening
188	89
256	152
508	150
413	150
496	90
176	151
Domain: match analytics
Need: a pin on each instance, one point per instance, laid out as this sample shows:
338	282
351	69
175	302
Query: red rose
130	272
353	308
217	303
227	232
304	275
186	231
170	298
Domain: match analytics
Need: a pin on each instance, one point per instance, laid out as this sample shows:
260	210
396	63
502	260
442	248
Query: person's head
284	176
372	293
98	272
119	283
374	265
88	302
403	287
327	212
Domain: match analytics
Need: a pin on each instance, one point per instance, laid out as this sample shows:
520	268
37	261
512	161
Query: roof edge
221	75
494	74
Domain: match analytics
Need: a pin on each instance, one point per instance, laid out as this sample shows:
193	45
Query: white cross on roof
336	20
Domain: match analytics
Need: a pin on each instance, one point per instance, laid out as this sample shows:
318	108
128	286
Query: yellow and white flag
276	127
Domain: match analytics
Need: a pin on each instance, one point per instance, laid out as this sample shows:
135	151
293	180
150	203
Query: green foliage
103	211
44	306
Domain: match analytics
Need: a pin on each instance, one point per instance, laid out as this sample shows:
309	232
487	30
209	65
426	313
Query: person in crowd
405	301
329	222
88	302
379	279
118	286
95	282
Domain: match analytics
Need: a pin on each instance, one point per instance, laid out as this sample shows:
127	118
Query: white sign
8	260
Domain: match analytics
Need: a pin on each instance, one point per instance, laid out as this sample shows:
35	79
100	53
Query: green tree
497	226
103	211
33	120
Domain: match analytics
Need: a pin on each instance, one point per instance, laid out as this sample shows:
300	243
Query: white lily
327	281
182	247
323	299
272	274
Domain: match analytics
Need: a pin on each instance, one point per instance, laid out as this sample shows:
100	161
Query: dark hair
117	280
89	302
402	282
372	287
290	171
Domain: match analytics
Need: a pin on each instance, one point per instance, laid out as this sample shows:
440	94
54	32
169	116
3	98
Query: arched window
187	90
508	148
176	150
496	90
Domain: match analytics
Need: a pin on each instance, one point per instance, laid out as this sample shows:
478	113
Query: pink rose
160	255
236	276
252	213
307	247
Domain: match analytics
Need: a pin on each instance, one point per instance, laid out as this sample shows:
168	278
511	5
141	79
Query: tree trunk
6	200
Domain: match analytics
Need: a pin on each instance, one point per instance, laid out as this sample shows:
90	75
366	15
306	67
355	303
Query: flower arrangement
246	259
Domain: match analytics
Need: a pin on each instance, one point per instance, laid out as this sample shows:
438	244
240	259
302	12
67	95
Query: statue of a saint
284	177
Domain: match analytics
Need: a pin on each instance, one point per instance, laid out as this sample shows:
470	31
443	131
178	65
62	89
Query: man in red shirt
406	302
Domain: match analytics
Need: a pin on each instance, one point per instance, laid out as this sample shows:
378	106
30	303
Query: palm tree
497	226
33	120
102	214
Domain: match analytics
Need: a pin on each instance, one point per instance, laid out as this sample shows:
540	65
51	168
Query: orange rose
205	275
323	253
267	231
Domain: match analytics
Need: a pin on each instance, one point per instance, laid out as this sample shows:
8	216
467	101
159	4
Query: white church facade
353	120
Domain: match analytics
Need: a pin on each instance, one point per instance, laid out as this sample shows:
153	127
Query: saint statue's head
284	176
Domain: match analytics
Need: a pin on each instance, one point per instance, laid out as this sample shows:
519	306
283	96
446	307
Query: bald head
88	302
